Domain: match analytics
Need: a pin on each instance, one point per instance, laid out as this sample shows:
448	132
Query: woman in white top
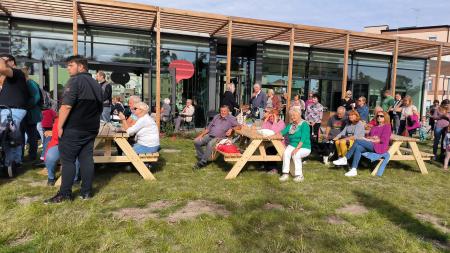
408	109
145	130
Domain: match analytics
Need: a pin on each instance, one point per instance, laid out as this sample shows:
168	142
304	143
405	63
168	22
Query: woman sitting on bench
377	141
145	130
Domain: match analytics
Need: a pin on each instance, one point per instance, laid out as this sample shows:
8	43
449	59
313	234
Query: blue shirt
363	112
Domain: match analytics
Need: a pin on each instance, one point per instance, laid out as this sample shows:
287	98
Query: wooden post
158	68
394	67
438	72
229	41
345	72
290	67
75	27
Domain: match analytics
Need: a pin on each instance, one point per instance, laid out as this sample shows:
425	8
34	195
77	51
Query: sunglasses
380	116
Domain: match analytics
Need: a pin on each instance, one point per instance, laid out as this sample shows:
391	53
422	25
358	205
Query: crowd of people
68	127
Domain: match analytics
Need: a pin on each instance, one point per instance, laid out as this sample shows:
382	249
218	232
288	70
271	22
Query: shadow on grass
401	218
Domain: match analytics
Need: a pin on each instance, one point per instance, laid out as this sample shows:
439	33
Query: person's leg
77	170
401	128
33	136
361	147
287	159
397	123
70	145
178	121
44	146
141	149
86	160
348	146
443	134
106	114
51	161
437	139
198	144
40	131
303	152
208	150
338	148
447	159
343	147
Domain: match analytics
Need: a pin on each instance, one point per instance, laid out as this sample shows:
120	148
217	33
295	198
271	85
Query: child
447	149
423	131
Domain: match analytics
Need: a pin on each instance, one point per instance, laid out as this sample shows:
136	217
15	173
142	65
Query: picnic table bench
412	154
109	134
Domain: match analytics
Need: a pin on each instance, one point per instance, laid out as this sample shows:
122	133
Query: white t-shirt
145	131
407	111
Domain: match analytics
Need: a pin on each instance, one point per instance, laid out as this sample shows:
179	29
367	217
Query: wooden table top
395	137
252	133
107	130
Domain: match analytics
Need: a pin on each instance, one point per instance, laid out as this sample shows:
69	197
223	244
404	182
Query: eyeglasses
380	116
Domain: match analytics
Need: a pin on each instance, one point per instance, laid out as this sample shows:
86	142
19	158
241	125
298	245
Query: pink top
384	133
276	127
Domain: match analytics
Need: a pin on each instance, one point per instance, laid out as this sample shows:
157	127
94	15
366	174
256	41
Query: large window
411	79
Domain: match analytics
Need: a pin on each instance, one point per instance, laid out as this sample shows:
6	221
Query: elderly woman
166	110
377	141
314	115
272	121
408	115
228	98
145	130
273	101
298	134
351	132
297	104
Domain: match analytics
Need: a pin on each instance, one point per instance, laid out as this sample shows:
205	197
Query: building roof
411	28
143	17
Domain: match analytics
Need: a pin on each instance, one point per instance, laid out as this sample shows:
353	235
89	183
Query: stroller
10	136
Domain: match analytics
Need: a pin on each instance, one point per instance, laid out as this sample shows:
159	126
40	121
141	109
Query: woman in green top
298	134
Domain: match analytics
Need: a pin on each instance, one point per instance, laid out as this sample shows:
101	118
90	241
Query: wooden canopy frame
155	19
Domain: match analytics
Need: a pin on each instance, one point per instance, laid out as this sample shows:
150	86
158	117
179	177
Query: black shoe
86	196
198	165
51	182
58	198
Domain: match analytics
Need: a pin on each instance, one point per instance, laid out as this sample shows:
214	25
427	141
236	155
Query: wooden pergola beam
75	27
345	72
372	45
5	10
158	69
438	72
218	29
290	69
394	67
229	44
278	34
416	49
80	11
123	5
328	40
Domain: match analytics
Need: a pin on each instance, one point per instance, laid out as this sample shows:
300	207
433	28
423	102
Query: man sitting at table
132	101
220	127
185	115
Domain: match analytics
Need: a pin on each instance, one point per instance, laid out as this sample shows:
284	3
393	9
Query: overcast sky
348	14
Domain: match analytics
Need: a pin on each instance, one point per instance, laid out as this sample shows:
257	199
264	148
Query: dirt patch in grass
27	200
20	241
140	214
437	223
335	220
273	206
196	208
168	150
354	209
38	183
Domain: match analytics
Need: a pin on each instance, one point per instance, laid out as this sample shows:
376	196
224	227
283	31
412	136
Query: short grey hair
143	106
135	99
166	101
257	84
341	108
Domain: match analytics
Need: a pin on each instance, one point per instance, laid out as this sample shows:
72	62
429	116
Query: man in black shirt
78	126
15	95
107	96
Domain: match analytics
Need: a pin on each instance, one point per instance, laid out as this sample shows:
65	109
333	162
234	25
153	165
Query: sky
350	14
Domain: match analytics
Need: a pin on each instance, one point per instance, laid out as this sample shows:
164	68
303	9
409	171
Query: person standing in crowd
377	141
446	147
348	101
409	117
309	100
34	116
117	107
107	95
229	99
388	102
131	102
396	112
48	117
441	118
298	104
273	101
362	109
220	127
314	115
166	110
145	130
185	115
258	101
354	130
298	134
433	108
15	95
82	105
335	125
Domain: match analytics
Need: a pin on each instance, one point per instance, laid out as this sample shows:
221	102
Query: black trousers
72	145
33	137
315	133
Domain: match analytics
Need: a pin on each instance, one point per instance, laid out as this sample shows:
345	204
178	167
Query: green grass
390	225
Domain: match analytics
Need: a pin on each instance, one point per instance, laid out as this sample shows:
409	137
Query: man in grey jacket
258	101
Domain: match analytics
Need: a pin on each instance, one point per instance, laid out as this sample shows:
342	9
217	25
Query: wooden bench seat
425	156
230	157
150	157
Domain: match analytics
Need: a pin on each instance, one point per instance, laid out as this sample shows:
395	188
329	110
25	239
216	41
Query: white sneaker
351	173
284	177
325	160
299	178
341	161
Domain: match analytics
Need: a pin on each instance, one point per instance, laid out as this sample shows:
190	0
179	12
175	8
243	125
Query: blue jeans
437	138
44	145
359	147
51	160
141	149
106	114
13	153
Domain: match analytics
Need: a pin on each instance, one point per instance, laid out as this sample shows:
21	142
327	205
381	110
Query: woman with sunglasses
377	141
298	135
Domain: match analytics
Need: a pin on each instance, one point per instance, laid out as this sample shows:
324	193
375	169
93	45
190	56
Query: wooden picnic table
257	142
109	135
395	152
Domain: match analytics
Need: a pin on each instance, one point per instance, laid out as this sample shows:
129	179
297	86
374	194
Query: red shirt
54	141
47	118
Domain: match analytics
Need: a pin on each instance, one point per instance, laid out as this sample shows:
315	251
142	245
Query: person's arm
64	112
5	69
342	133
69	99
360	132
108	93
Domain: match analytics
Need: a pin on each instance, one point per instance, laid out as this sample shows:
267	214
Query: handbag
226	146
412	122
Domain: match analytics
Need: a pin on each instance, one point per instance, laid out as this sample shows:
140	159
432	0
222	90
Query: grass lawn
187	211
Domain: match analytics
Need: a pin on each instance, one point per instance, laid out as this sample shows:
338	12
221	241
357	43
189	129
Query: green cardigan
302	134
